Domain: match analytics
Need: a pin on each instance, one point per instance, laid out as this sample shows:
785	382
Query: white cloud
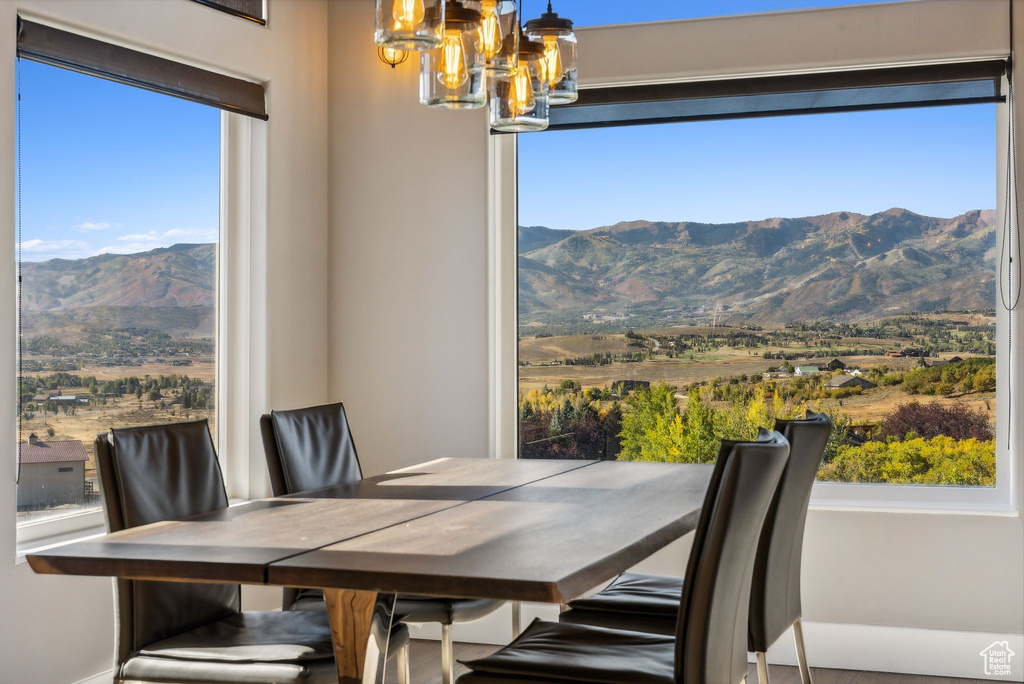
144	242
90	226
151	236
43	250
193	234
126	248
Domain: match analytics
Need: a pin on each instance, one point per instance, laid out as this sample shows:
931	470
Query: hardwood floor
426	669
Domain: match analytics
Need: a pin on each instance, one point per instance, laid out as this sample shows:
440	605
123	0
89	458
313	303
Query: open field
86	420
684	355
874	405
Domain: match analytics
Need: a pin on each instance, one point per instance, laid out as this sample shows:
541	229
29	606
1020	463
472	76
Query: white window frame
242	178
1003	499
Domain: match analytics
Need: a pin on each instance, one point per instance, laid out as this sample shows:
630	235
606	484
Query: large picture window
692	282
118	264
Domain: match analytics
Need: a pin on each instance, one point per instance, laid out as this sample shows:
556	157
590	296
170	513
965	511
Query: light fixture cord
1011	220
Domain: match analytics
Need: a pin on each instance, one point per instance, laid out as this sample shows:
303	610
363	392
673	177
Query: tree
957	420
936	461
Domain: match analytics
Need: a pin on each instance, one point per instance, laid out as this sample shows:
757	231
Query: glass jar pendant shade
409	24
499	36
559	62
519	103
452	75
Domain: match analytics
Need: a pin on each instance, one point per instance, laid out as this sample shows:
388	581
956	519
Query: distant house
52	473
843	381
955	359
806	370
42	397
834	365
894	353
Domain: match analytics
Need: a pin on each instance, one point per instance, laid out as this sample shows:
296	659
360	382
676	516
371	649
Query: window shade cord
21	344
1011	220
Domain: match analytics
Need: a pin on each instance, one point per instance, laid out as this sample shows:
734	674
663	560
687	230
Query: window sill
34	534
917	499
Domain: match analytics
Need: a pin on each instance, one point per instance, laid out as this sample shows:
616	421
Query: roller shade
891	88
53	46
247	9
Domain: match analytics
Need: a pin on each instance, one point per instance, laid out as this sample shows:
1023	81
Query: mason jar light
559	63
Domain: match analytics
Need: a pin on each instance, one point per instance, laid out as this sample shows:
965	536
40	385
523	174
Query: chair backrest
151	474
775	591
711	633
309	448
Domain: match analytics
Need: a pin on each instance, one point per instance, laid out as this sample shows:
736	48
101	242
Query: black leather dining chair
710	639
649	603
184	632
312	448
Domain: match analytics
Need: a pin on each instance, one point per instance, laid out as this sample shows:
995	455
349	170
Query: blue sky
599	12
937	161
108	168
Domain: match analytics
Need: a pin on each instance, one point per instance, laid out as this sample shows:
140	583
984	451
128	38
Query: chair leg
517	618
801	654
403	665
762	668
447	655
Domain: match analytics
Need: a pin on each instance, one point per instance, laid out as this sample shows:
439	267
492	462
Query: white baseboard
906	650
105	677
870	648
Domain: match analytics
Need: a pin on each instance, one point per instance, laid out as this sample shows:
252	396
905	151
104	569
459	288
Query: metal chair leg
447	655
402	661
517	619
801	654
762	668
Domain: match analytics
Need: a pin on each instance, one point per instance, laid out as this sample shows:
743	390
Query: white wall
408	267
60	629
408	279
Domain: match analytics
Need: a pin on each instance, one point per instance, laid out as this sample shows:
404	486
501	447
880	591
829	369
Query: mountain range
841	266
171	289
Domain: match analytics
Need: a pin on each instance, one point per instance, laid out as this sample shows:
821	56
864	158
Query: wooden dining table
527	530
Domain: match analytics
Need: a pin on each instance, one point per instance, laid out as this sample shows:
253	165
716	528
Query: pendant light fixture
499	36
519	103
559	63
478	52
409	24
391	56
452	75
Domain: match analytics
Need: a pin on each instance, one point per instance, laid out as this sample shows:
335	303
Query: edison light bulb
407	14
453	72
551	64
490	29
520	93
